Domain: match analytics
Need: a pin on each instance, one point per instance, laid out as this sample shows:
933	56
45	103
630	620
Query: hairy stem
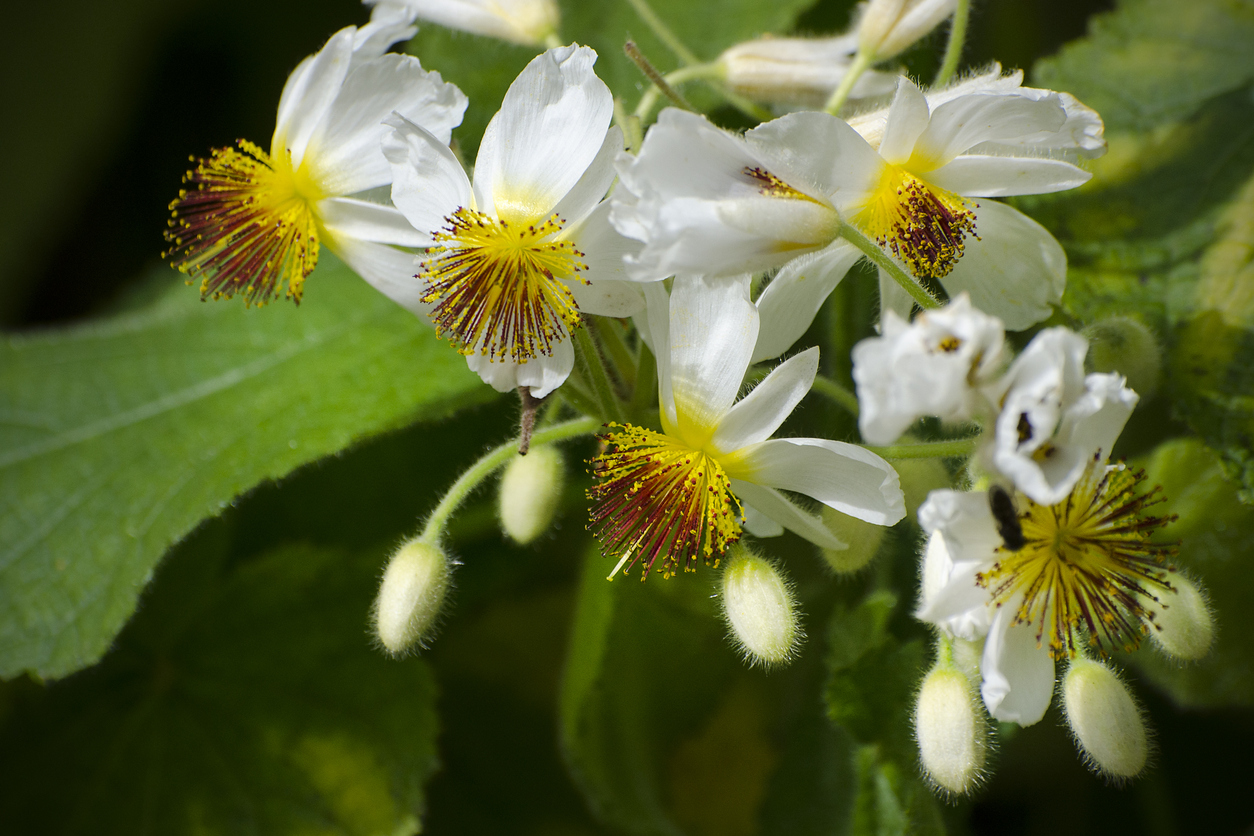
882	260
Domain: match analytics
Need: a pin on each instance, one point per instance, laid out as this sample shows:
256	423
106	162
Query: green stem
836	393
951	449
593	369
629	124
651	72
861	63
957	39
646	380
663	32
610	335
676	77
575	391
882	260
486	466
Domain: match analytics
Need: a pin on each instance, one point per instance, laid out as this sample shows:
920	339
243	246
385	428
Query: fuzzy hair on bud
1183	626
1124	345
414	586
530	491
760	608
864	540
1105	720
952	735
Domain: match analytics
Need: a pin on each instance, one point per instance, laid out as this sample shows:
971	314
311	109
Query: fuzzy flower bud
1105	720
952	735
863	539
526	22
888	27
413	589
760	608
530	491
1183	627
798	71
1122	344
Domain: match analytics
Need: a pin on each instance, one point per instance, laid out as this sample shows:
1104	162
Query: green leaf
245	698
118	437
1155	61
1214	532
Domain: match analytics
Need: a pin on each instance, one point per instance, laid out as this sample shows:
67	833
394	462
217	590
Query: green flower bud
864	540
1105	720
411	595
950	729
1182	627
760	608
1124	345
531	488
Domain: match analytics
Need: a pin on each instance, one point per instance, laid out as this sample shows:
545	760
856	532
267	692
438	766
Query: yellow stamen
1087	566
658	498
497	286
772	186
923	225
246	227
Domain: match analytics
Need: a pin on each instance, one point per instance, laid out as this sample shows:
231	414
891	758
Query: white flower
250	222
526	22
798	71
933	366
1053	419
515	257
1086	574
888	27
680	494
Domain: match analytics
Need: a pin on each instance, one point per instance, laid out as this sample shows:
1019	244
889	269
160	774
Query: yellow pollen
1087	570
497	287
923	225
771	186
949	344
243	226
658	498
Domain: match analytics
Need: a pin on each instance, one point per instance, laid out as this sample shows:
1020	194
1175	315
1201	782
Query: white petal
1018	675
603	248
1016	271
606	297
994	176
658	316
389	23
524	22
907	119
758	415
817	154
846	477
428	184
949	596
779	508
308	94
542	373
961	123
387	269
791	301
893	297
596	181
759	524
344	154
351	218
713	328
551	126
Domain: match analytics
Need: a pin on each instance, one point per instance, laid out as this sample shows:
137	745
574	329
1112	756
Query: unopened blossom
1053	418
798	71
516	258
888	27
526	22
1082	575
252	222
681	495
936	365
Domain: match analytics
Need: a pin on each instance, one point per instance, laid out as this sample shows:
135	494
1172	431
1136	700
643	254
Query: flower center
244	225
1087	566
497	286
923	225
657	497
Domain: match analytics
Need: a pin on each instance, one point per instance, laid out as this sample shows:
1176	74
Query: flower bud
1122	344
1183	627
526	22
530	490
413	589
760	608
1105	720
888	27
952	734
864	540
797	71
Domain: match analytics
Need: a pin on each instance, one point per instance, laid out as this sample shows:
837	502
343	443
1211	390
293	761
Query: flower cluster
722	247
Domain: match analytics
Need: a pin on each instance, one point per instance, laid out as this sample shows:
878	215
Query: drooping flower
936	365
514	259
1087	577
682	494
526	22
252	222
797	71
